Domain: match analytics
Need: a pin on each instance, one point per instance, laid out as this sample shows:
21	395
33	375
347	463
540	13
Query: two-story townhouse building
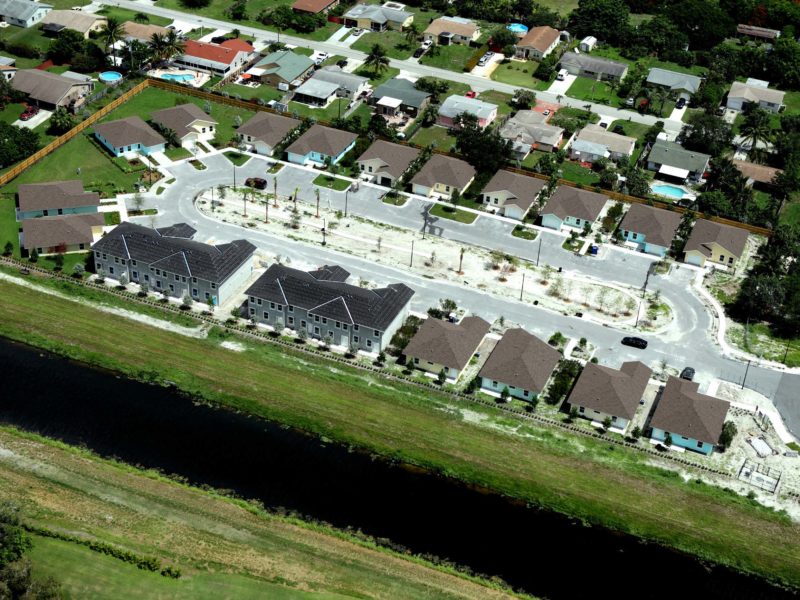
572	207
511	194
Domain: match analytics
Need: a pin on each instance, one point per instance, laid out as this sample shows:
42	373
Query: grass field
333	183
425	136
123	14
394	42
452	58
572	171
583	477
452	213
500	99
334	109
376	80
224	548
264	91
517	73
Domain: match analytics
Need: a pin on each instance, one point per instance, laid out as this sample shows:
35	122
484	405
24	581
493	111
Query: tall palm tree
111	33
157	44
377	59
412	32
173	45
756	128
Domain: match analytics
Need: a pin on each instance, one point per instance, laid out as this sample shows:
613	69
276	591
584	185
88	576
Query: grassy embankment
584	477
224	548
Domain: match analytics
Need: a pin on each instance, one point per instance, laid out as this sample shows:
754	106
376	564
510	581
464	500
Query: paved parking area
561	87
37	120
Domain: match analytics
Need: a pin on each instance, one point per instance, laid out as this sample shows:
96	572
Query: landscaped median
586	477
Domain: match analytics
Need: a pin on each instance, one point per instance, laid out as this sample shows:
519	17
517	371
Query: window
183	279
111	270
81	246
194	292
194	279
97	255
291	320
61	211
355	339
252	311
302	324
290	308
447	187
355	327
266	316
580	409
258	301
613	419
272	305
330	333
316	330
177	277
525	393
324	321
376	333
316	318
338	325
158	283
252	299
135	274
345	326
416	361
104	256
369	343
494	383
146	277
207	295
721	258
213	285
280	306
171	288
730	260
362	166
158	271
116	259
699	444
133	262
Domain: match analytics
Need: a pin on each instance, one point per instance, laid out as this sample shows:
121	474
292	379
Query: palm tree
377	59
111	33
412	33
157	44
173	45
756	128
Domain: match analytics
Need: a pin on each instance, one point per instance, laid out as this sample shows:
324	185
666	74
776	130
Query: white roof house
741	94
588	43
683	83
456	105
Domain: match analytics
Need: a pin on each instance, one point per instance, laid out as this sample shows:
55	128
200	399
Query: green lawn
452	58
524	232
500	99
264	91
336	108
376	80
425	136
330	182
648	61
237	158
791	212
452	213
9	227
594	91
177	153
123	14
631	129
30	36
792	102
518	73
12	111
572	171
394	42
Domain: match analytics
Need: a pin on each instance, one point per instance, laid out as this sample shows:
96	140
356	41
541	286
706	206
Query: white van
562	74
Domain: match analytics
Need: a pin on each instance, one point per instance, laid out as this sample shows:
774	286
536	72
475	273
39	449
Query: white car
426	44
356	32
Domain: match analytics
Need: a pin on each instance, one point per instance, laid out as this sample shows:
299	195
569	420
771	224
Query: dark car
635	342
419	52
342	63
619	129
256	182
680	103
687	374
219	39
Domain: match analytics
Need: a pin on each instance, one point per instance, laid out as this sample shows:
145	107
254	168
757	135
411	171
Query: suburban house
451	30
756	174
520	363
263	131
23	13
763	34
604	393
324	305
314	6
61	234
512	194
131	30
528	130
316	92
55	198
217	59
442	346
593	143
692	420
537	43
673	160
742	94
319	144
384	162
349	85
412	100
129	135
188	121
593	67
8	67
587	44
76	20
169	261
50	90
572	207
650	229
682	84
442	175
373	17
283	67
716	243
453	106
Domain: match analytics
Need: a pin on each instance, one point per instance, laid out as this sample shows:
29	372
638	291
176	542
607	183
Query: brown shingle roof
49	232
442	25
44	86
522	360
55	194
657	225
540	38
142	31
446	170
312	6
756	172
684	411
129	131
704	233
268	128
524	189
325	140
448	344
178	118
568	201
611	391
395	158
76	20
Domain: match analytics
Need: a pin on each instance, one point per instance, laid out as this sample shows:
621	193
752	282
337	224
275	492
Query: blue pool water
110	76
668	190
517	28
177	77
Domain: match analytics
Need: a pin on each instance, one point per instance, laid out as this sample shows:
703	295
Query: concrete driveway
37	120
561	87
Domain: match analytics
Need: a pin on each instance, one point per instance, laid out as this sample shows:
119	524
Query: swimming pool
177	76
672	191
517	28
110	77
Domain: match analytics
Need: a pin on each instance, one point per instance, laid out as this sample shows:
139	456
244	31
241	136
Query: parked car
604	125
419	52
426	44
546	112
619	129
256	182
471	94
635	342
687	373
630	101
680	103
29	112
342	63
356	32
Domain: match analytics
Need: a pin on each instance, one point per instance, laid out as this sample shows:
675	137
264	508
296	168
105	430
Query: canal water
540	552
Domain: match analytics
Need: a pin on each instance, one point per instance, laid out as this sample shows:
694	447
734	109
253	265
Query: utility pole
346	196
411	262
539	252
461	262
316	191
745	372
424	223
275	191
266	211
324	232
244	197
522	287
786	353
234	176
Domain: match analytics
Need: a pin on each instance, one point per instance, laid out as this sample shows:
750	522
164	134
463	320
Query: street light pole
539	252
324	231
346	196
522	287
411	262
745	372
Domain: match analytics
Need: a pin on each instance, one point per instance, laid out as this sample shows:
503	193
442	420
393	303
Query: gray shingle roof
129	131
456	105
522	360
55	194
529	127
403	90
523	189
49	232
675	155
377	14
43	86
325	140
325	293
683	411
178	118
268	128
285	64
448	344
395	158
657	225
755	93
568	201
20	9
594	64
316	88
674	80
611	391
446	170
594	134
176	254
333	74
704	233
